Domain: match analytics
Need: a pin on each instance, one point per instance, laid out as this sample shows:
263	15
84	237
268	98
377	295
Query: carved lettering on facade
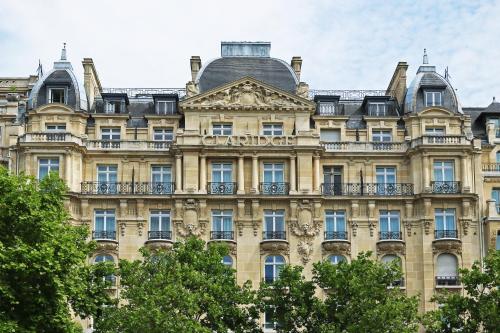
248	140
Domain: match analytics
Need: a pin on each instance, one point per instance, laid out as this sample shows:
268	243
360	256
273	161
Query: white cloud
344	44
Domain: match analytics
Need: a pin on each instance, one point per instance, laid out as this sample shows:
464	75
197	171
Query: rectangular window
57	95
47	165
110	134
272	129
56	127
386	179
332	178
107	178
377	109
497	247
222	129
163	134
381	136
389	224
274	224
495	195
434	130
327	108
161	179
104	224
433	98
222	179
165	107
222	224
159	225
335	227
273	172
329	135
445	223
444	171
115	106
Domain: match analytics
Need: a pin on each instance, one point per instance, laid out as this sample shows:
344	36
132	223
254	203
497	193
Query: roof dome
241	59
61	75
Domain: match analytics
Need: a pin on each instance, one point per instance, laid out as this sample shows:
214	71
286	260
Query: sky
344	44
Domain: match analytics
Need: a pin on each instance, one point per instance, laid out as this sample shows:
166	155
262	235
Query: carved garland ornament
191	224
306	227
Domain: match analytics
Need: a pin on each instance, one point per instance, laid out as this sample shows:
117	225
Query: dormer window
377	109
433	98
327	108
57	95
115	106
165	107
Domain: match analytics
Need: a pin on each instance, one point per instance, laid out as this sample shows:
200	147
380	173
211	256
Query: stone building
248	155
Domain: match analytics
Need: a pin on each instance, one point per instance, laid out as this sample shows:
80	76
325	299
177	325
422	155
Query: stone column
67	168
293	185
241	175
203	174
178	173
426	171
465	182
316	183
255	174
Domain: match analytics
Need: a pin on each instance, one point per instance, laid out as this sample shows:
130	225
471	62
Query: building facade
248	155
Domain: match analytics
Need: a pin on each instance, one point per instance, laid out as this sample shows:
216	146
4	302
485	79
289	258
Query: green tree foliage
478	310
358	297
43	270
186	289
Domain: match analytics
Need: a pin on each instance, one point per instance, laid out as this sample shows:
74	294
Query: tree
186	289
43	270
358	297
478	310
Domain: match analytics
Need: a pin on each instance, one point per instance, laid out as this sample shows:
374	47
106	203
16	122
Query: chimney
296	64
91	80
195	67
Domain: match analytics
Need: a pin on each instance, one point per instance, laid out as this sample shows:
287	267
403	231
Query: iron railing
145	92
359	189
274	188
159	235
222	235
267	235
398	283
112	188
222	188
335	235
447	281
355	95
103	235
491	167
445	187
390	235
439	234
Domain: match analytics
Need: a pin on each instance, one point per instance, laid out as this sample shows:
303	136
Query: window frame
222	129
112	132
57	127
162	133
164	216
49	159
376	106
433	93
52	88
170	107
105	214
441	166
381	135
272	129
276	266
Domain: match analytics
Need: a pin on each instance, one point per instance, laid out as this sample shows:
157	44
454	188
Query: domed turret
430	89
59	85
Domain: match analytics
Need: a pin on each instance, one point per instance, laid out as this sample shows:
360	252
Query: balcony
117	188
274	241
335	235
104	235
159	239
355	146
444	281
390	235
360	189
274	188
222	235
446	240
491	169
336	242
160	235
222	188
127	145
445	187
440	140
390	242
440	234
50	137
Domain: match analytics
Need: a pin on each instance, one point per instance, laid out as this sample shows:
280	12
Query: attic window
378	109
57	95
165	107
433	98
115	106
327	108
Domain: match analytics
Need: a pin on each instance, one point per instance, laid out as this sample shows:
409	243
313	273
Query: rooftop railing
145	92
347	94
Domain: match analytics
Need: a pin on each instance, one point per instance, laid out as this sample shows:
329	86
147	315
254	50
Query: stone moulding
156	244
447	245
107	245
337	246
392	246
274	246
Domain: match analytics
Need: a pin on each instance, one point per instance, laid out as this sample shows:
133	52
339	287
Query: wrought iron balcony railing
335	235
269	235
390	235
447	281
398	283
142	188
439	234
228	235
357	189
491	167
156	235
222	188
445	187
104	235
274	188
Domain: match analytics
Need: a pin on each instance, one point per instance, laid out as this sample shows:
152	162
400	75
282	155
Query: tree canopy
44	273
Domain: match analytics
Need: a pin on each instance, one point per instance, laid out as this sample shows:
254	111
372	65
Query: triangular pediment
247	93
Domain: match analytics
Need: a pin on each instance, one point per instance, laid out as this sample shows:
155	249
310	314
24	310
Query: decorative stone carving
302	90
107	246
140	226
372	226
305	249
465	225
192	89
390	247
274	246
306	226
407	224
337	246
123	227
447	245
190	224
354	227
427	226
157	244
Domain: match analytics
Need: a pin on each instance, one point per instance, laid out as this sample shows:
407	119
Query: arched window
106	258
273	267
336	259
387	260
447	270
228	261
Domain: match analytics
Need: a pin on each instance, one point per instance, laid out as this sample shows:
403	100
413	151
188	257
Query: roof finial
494	100
63	53
426	59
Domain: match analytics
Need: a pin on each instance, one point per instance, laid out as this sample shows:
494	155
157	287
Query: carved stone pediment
337	247
447	245
247	93
390	247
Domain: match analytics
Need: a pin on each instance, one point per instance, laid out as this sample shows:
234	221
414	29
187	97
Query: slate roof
223	70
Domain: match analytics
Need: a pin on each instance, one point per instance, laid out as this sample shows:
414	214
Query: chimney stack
195	67
296	64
